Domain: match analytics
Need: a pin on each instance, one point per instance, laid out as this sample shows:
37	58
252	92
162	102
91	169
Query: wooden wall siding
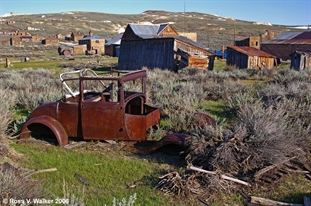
197	62
256	62
168	31
110	50
150	53
237	59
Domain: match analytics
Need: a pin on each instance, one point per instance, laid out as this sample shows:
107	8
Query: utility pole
185	27
234	34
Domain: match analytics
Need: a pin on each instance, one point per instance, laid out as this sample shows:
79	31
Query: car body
96	106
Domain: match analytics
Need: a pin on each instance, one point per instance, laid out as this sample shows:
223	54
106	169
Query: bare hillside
213	31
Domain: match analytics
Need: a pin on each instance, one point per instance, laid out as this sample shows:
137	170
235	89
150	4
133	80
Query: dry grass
17	187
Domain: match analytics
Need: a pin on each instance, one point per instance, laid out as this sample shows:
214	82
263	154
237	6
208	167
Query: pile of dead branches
263	143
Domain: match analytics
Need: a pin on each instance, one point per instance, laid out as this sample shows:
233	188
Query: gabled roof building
160	46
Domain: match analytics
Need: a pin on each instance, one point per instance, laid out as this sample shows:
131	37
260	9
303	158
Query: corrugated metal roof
286	35
91	37
291	38
251	51
114	40
147	31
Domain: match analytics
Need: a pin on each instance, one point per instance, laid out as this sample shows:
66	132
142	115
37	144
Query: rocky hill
213	31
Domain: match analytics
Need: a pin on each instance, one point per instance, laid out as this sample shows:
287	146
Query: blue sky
285	12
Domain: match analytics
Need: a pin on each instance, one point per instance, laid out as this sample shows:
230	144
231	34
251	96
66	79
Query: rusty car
109	105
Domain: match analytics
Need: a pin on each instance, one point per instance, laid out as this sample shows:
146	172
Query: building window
97	41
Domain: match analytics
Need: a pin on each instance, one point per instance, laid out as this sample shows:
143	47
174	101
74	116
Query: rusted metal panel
251	51
40	124
146	147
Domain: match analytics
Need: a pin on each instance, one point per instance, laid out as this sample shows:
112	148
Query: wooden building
300	60
94	44
50	41
76	36
283	45
159	46
243	57
252	41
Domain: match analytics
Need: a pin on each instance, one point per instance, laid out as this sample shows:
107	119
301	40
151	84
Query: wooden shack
243	57
300	60
158	46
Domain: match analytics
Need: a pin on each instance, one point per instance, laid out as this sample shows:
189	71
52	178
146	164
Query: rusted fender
146	147
57	129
